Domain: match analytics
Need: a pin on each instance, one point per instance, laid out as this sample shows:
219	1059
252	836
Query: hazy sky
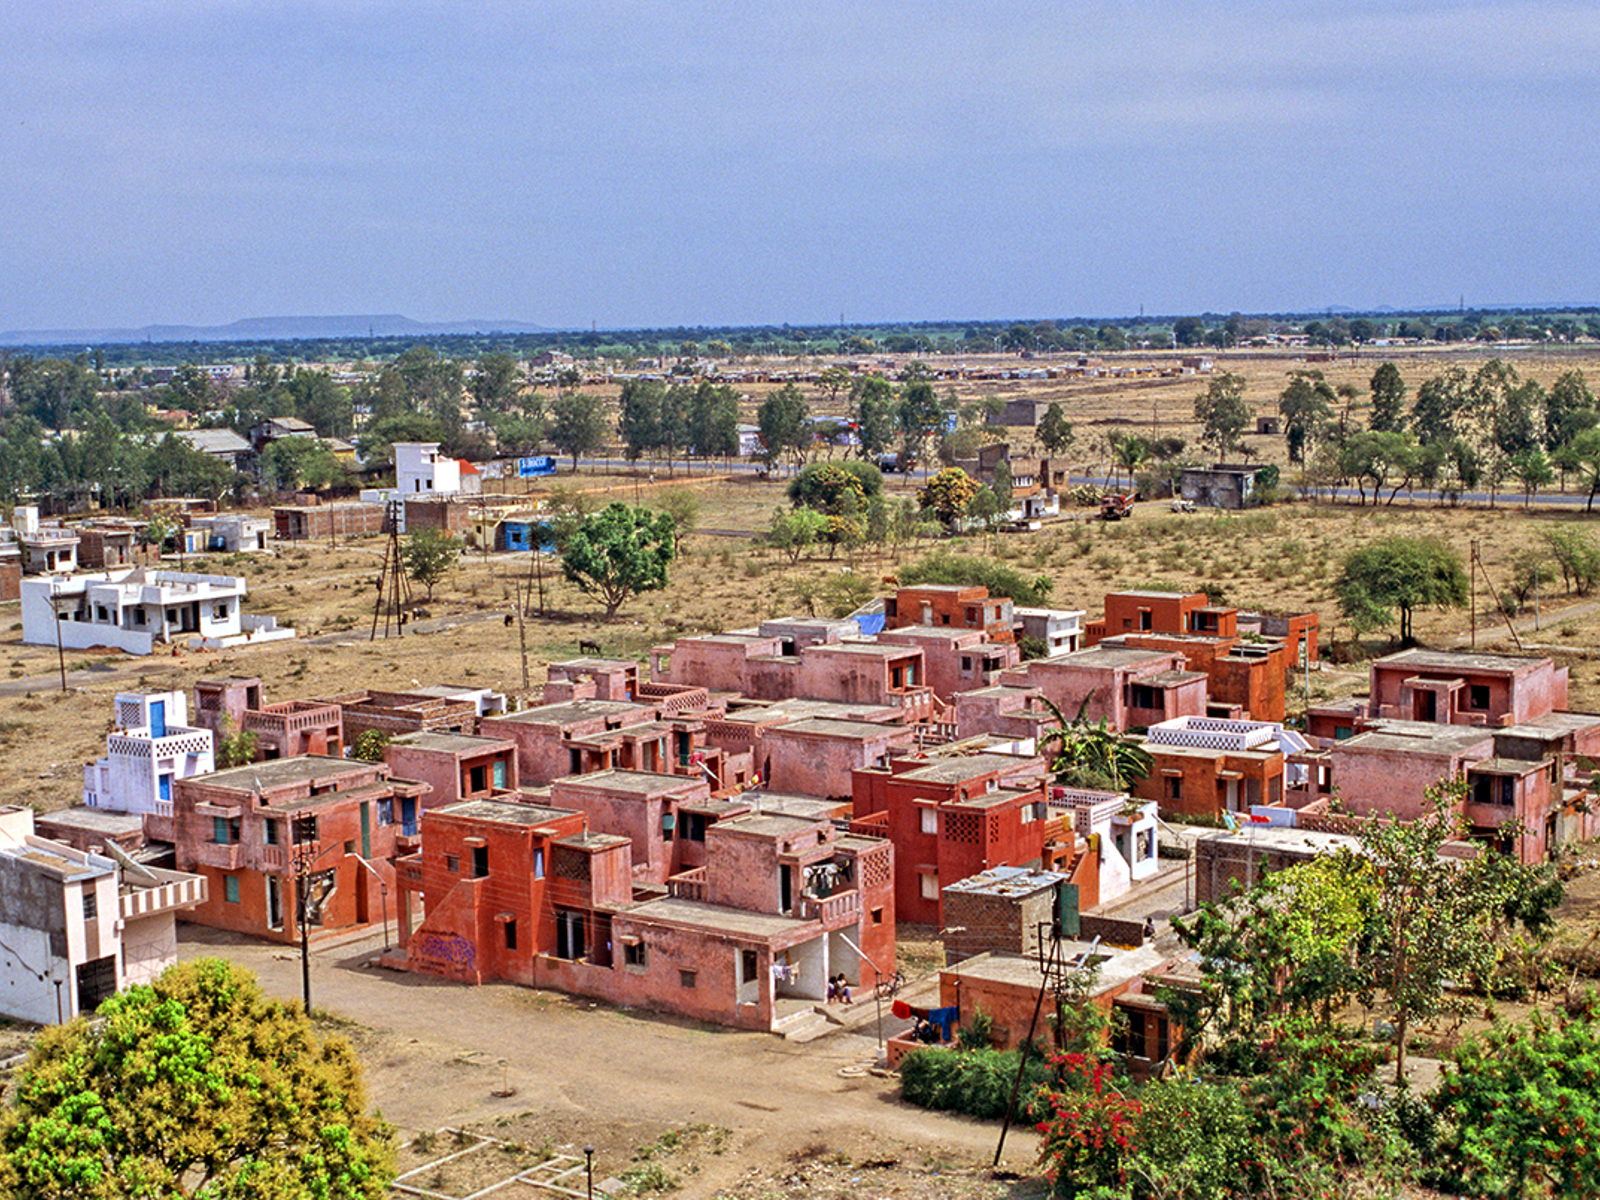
691	163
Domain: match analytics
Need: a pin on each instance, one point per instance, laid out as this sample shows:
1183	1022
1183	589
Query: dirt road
436	1052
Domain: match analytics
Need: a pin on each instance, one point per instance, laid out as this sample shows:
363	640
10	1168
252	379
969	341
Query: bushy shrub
967	571
975	1082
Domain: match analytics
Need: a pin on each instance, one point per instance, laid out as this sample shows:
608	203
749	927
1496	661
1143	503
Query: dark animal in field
510	620
585	646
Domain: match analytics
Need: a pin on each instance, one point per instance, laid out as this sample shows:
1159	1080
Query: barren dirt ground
751	1108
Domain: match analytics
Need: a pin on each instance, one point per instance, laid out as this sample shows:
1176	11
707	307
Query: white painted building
151	746
231	533
1060	629
134	609
1126	832
419	469
77	928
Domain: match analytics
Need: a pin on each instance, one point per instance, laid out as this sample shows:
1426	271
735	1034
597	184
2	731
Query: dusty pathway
438	1051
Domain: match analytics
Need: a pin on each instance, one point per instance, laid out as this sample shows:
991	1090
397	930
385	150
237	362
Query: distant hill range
257	329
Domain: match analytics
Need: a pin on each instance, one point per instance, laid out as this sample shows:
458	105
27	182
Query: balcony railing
839	908
227	856
688	885
144	902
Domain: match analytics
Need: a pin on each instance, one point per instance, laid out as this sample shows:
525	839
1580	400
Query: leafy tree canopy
428	555
1401	573
969	571
618	552
196	1085
841	487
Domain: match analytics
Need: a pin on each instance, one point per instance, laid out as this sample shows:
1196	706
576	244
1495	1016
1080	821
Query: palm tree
1129	453
1091	755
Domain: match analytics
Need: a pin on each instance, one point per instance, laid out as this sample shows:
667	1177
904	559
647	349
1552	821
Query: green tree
1521	1108
235	747
836	487
1090	754
195	1085
496	382
1438	921
782	419
1531	468
1307	408
1569	409
921	418
1388	400
1222	412
294	462
713	421
1439	405
683	506
577	424
874	408
1379	457
639	420
428	556
370	745
794	531
1128	453
1055	431
618	552
377	440
1403	573
947	495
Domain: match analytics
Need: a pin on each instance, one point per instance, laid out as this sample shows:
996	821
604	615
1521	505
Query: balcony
180	891
274	858
227	856
688	885
841	908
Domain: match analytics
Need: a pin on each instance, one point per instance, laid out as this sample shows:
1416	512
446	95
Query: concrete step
805	1026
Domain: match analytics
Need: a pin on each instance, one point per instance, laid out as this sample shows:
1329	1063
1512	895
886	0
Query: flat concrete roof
1007	881
868	649
716	919
63	865
643	783
506	814
831	727
1444	660
1117	967
573	710
453	743
1282	838
597	664
792	803
970	766
277	772
1418	737
767	824
1103	657
93	820
761	713
1509	766
593	841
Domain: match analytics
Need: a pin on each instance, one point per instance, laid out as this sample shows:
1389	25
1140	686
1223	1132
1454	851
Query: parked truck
1116	505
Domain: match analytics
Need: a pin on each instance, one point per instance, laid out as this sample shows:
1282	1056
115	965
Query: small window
385	812
636	955
930	885
749	964
930	820
219	612
538	862
669	822
877	916
452	864
305	830
511	935
350	846
91	904
480	861
219	830
270	833
1479	696
686	979
477	779
1174	787
694	826
230	888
